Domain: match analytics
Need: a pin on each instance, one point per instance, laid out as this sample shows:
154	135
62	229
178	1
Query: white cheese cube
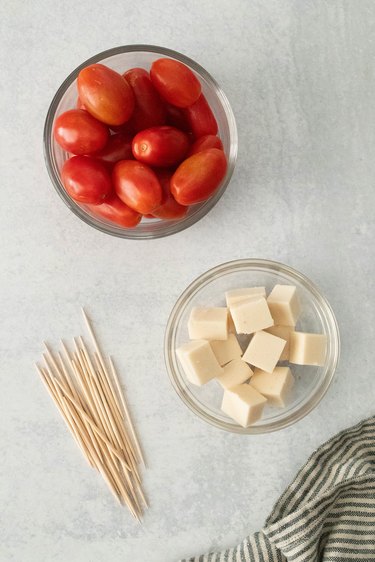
236	372
307	349
226	350
198	361
208	323
251	316
284	305
274	386
238	295
244	404
282	332
231	326
264	351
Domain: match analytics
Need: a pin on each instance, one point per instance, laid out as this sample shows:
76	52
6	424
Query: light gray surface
300	78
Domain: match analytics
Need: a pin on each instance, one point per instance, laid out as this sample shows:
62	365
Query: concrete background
300	78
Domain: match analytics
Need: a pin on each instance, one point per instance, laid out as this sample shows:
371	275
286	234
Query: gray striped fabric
326	514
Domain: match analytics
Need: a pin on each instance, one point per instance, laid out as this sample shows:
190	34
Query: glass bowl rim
271	267
171	227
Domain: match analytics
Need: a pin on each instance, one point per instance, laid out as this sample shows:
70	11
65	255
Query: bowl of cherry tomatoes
140	142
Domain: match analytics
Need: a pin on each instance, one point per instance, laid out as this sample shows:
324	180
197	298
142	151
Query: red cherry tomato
78	132
127	128
105	94
118	147
201	119
176	118
149	109
197	178
79	104
175	82
116	211
137	186
208	141
169	208
86	180
160	146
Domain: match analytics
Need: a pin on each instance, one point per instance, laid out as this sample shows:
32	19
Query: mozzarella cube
244	404
226	350
282	332
284	305
264	351
307	349
208	323
231	326
238	295
198	361
274	386
236	372
251	316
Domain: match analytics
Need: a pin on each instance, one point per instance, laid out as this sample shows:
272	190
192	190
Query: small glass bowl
311	383
121	59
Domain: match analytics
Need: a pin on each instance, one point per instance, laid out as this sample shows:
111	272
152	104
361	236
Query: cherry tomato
137	186
116	211
160	146
78	132
200	118
118	147
169	208
127	128
175	82
176	118
197	178
208	141
86	180
149	109
105	94
79	104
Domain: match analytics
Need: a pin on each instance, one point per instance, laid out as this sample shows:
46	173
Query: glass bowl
311	382
121	59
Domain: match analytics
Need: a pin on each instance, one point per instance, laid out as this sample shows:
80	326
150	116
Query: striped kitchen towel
326	514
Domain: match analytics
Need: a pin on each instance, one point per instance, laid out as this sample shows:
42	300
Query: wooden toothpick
90	400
